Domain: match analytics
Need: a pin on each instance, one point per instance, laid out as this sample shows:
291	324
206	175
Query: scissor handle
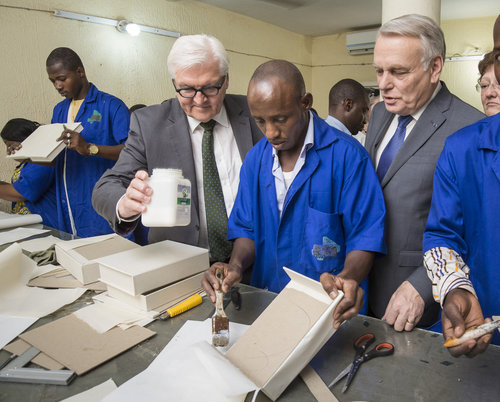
363	342
382	349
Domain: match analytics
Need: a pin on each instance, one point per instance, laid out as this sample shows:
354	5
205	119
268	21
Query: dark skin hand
357	265
461	311
242	257
75	141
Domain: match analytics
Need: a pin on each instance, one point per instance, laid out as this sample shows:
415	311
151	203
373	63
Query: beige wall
134	68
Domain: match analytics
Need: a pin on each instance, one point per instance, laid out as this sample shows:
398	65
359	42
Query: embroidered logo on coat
329	249
96	116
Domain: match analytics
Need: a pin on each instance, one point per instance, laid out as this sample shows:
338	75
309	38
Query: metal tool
220	322
361	345
473	333
14	371
181	307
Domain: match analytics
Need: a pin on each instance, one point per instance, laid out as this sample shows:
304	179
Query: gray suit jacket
407	188
159	138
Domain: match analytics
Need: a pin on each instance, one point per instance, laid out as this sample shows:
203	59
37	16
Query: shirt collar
308	140
334	122
220	118
419	112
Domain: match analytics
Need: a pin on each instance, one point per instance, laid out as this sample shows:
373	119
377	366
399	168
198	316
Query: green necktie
215	209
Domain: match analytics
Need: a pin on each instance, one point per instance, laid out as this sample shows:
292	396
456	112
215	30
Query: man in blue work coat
105	120
462	238
308	199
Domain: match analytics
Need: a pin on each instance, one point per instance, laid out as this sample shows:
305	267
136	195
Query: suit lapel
428	123
179	137
376	133
240	125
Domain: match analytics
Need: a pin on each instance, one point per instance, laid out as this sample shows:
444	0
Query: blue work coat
36	184
105	120
465	209
333	206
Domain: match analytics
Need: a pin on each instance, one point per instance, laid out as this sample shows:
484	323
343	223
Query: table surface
421	369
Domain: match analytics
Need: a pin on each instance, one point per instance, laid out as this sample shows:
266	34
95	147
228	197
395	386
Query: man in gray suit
172	135
405	137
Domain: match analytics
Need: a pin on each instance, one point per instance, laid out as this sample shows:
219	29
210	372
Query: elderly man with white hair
200	129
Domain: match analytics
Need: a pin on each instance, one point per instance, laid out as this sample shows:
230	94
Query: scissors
360	345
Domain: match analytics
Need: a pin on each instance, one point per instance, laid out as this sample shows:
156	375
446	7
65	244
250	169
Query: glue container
171	199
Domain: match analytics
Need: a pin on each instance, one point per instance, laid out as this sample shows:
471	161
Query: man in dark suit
174	135
405	137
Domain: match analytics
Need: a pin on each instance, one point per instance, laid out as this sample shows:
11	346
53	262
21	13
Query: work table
421	369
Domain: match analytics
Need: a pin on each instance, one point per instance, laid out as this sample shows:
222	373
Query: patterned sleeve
447	271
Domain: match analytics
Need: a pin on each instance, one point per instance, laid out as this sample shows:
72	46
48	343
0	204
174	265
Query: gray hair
191	50
418	26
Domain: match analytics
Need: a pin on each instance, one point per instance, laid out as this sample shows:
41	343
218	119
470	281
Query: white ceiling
322	17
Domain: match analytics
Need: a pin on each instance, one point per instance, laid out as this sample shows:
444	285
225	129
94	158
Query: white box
286	336
140	270
78	256
158	297
42	144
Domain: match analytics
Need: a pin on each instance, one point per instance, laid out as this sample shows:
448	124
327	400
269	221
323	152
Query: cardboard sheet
14	220
189	369
18	347
94	394
107	313
286	336
78	347
18	234
17	299
12	326
39	244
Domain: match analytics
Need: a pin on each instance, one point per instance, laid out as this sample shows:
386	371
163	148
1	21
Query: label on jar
183	195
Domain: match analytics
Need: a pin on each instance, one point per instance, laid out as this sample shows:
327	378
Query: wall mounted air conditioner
361	42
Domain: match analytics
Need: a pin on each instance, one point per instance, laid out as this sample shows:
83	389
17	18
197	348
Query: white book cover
42	144
142	269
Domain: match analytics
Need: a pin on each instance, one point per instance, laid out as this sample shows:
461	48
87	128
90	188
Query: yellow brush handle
193	301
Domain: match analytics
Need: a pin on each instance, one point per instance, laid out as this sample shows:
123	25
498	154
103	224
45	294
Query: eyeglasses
484	86
189	92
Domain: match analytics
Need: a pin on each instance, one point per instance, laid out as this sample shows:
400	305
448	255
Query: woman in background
32	187
488	85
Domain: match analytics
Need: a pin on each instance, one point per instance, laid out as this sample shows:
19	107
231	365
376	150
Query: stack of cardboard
154	276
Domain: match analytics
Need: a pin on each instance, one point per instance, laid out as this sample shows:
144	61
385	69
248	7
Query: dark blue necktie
393	146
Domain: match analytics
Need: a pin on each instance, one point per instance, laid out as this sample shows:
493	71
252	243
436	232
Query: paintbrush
220	322
473	333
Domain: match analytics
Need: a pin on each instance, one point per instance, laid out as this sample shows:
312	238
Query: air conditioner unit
361	42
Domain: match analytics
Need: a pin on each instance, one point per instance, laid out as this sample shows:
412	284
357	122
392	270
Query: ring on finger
411	322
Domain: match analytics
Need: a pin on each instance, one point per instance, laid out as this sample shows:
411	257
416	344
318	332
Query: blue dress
465	209
105	120
333	206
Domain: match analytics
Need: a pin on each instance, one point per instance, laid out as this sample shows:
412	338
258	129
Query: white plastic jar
170	201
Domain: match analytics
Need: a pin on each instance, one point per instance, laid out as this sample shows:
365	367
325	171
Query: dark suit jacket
407	188
159	138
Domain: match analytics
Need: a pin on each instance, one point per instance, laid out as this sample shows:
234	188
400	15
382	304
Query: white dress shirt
228	159
283	180
394	125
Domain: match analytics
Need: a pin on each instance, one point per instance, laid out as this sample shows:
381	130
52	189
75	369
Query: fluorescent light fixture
122	25
128	27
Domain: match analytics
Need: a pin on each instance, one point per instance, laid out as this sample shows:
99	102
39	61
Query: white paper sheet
39	244
189	369
17	299
11	327
107	313
18	234
15	220
95	394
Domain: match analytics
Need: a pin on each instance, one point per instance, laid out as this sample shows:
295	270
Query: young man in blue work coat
308	199
88	154
462	237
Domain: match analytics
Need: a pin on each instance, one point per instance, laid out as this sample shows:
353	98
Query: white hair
191	50
418	26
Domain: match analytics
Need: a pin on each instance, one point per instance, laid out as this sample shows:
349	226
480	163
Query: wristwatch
93	149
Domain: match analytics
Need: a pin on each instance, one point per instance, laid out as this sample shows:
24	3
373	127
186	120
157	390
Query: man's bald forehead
284	71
